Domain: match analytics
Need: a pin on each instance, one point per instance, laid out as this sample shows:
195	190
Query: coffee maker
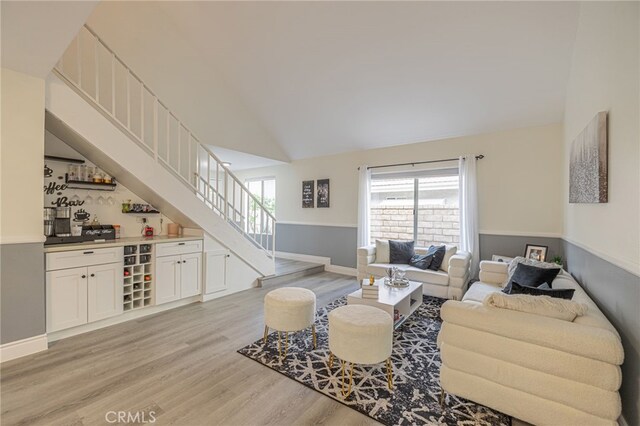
63	222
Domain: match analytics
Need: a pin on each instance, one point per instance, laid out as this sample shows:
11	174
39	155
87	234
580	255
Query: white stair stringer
89	132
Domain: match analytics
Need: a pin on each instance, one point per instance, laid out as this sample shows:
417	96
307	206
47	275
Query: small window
422	207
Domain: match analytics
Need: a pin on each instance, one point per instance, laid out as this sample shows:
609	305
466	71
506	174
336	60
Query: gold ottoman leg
390	373
313	334
348	392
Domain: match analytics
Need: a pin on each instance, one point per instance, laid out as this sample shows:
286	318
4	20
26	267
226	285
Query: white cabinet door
190	274
66	298
216	273
105	287
167	279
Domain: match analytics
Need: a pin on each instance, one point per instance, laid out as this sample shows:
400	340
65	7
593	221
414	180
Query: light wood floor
182	364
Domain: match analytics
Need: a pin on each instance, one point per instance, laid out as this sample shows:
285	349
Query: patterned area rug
416	366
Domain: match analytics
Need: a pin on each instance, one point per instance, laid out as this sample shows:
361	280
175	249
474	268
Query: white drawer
79	258
181	247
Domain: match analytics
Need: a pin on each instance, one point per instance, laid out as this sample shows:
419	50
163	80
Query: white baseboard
326	261
622	421
344	270
23	347
127	316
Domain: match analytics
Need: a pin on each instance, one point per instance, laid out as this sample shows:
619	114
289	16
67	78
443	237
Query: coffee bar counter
86	245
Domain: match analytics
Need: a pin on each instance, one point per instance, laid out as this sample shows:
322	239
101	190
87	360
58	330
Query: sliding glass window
419	206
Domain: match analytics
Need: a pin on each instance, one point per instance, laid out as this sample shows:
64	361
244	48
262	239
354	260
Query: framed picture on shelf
323	193
308	194
535	252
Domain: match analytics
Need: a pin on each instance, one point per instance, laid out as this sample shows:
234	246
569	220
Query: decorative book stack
370	291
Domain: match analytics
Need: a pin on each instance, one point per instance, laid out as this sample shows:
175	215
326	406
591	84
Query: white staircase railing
95	71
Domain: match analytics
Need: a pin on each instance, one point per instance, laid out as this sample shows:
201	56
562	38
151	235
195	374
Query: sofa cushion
450	251
478	291
532	276
382	251
400	252
558	293
438	253
412	273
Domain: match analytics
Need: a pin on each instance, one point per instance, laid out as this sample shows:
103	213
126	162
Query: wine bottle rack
138	277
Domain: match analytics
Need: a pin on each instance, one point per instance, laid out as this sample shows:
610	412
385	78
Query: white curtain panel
469	238
364	196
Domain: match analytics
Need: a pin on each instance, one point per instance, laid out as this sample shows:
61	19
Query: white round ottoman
289	309
360	334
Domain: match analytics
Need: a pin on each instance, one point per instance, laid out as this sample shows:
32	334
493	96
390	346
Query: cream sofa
449	282
538	369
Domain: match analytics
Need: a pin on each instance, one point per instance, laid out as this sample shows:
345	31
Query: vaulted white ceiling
35	33
291	80
327	77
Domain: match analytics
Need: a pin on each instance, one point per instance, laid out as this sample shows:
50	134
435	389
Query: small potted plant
558	260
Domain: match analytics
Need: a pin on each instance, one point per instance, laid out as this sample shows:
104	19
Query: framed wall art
308	194
323	193
588	173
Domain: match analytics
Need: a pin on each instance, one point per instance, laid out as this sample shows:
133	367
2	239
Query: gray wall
336	242
514	245
617	294
22	291
339	243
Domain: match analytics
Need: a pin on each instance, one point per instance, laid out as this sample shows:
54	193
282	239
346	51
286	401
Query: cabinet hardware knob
84	276
184	261
93	275
180	244
87	252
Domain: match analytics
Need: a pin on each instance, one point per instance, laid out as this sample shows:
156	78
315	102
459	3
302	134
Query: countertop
53	248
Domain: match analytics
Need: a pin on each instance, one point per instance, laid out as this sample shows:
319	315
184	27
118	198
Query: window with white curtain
422	206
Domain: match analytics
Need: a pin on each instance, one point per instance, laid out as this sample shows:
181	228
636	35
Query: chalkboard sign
323	193
307	194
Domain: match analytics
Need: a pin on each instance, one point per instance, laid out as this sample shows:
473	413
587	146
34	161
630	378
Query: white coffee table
405	300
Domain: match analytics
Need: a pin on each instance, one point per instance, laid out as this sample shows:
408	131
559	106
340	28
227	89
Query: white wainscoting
326	261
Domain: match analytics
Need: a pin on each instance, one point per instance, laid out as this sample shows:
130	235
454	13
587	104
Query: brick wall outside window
437	224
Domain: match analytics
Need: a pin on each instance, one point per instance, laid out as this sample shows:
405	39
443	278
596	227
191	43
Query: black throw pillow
421	261
532	276
400	252
559	293
438	253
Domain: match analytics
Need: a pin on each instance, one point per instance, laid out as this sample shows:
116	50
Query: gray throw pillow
421	261
400	252
532	276
559	293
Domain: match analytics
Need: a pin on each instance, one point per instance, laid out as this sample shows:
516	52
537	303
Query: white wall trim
22	239
521	234
24	347
326	261
622	421
127	316
344	270
304	257
339	225
633	268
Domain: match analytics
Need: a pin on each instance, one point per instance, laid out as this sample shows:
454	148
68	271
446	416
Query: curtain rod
478	157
